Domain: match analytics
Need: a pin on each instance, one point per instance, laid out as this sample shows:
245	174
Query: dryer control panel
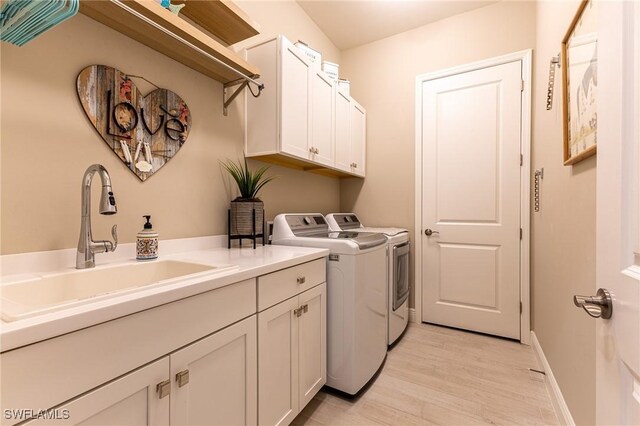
347	221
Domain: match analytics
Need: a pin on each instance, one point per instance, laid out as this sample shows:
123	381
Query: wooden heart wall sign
145	132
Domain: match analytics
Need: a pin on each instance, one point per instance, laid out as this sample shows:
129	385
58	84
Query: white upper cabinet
294	101
358	138
350	135
322	115
343	131
294	122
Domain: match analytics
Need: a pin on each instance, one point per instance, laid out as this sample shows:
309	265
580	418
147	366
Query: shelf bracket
226	101
227	86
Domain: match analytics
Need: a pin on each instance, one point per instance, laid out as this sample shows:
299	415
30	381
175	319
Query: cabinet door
322	105
130	400
343	132
214	381
358	138
278	364
312	332
295	73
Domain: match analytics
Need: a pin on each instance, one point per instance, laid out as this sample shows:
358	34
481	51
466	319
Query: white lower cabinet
130	400
223	357
210	382
312	344
291	355
213	381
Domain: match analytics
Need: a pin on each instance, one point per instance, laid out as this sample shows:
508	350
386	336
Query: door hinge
520	307
520	233
521	160
522	85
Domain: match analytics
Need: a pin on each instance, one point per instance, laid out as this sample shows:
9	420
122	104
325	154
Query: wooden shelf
221	18
154	26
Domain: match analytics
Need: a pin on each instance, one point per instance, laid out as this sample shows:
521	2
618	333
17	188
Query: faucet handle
114	234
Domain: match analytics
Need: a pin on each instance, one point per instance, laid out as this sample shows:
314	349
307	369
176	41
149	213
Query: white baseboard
559	404
412	315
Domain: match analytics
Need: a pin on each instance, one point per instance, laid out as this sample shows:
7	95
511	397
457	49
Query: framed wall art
580	84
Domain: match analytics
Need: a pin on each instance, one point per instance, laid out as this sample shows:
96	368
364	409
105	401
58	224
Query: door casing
525	57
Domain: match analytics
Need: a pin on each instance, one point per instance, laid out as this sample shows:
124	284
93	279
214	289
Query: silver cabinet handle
163	389
301	280
428	232
598	306
301	310
311	150
182	378
355	165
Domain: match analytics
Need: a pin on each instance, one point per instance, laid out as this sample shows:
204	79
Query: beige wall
383	76
288	18
47	142
563	239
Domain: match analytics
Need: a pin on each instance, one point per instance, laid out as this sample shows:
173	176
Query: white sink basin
53	292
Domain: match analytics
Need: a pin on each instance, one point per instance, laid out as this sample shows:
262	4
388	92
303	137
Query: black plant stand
253	235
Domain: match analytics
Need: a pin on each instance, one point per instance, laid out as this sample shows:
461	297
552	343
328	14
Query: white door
343	131
214	381
129	400
278	364
312	332
618	213
471	148
295	114
322	91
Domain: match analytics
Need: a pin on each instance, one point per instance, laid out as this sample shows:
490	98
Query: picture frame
579	58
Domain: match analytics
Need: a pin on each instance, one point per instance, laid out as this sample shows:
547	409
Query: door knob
428	232
598	306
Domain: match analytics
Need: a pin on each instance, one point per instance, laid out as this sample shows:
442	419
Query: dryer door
400	274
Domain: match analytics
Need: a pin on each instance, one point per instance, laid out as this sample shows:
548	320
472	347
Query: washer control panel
307	223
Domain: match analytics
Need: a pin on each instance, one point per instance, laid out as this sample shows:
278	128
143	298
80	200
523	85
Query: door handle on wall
598	306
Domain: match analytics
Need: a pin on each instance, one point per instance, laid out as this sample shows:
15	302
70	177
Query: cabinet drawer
278	286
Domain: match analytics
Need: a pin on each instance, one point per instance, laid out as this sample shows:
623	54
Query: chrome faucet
87	248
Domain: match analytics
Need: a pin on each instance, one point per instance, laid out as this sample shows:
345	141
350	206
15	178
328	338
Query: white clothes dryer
356	296
397	270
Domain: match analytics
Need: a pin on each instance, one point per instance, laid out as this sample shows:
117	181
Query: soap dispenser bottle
147	244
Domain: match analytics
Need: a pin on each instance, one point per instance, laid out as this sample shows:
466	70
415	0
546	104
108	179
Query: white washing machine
356	296
397	269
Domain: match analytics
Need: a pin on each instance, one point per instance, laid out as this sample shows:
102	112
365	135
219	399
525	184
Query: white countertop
250	264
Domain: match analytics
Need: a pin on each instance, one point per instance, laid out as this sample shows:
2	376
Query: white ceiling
351	23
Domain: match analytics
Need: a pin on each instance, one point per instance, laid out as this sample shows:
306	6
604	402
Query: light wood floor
437	375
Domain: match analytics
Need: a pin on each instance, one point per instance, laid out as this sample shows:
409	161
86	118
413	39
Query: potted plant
249	184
